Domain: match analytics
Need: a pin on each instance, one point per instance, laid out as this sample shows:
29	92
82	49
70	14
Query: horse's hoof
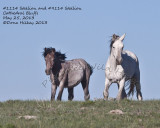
105	99
118	99
87	97
70	99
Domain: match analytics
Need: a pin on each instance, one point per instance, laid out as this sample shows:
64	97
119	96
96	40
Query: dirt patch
117	111
27	117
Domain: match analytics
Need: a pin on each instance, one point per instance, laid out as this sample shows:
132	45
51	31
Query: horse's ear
122	37
45	49
114	36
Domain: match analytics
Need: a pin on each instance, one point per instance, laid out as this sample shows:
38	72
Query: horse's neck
57	67
114	71
112	63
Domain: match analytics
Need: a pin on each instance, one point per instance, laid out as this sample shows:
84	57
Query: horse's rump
129	64
77	69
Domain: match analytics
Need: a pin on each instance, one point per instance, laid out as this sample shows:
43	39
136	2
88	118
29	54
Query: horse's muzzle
48	72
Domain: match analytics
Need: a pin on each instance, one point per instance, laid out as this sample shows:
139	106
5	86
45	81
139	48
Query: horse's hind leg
70	94
85	85
138	85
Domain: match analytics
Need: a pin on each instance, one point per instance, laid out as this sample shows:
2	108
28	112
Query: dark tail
133	82
91	68
131	86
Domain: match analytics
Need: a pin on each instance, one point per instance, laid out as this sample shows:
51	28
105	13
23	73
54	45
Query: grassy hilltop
75	114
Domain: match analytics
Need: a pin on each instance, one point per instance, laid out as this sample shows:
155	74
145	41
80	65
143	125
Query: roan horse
122	66
66	73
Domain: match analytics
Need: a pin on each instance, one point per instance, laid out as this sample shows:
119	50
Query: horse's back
76	71
130	54
130	63
77	63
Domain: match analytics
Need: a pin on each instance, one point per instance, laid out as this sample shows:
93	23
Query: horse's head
49	55
117	47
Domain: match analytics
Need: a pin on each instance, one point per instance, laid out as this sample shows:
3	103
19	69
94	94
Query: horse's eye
113	47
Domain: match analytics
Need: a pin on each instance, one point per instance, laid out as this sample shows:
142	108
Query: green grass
75	114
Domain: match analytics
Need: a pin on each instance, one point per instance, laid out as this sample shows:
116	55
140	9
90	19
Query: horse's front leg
121	87
105	92
53	92
53	87
124	95
61	88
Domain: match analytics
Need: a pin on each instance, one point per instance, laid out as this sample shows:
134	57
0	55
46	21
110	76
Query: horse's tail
90	68
133	82
131	87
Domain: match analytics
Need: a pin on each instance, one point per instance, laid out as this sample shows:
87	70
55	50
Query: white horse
120	67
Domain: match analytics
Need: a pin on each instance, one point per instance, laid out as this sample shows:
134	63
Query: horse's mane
58	54
114	38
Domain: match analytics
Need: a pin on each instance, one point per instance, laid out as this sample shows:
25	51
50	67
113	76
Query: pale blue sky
79	34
